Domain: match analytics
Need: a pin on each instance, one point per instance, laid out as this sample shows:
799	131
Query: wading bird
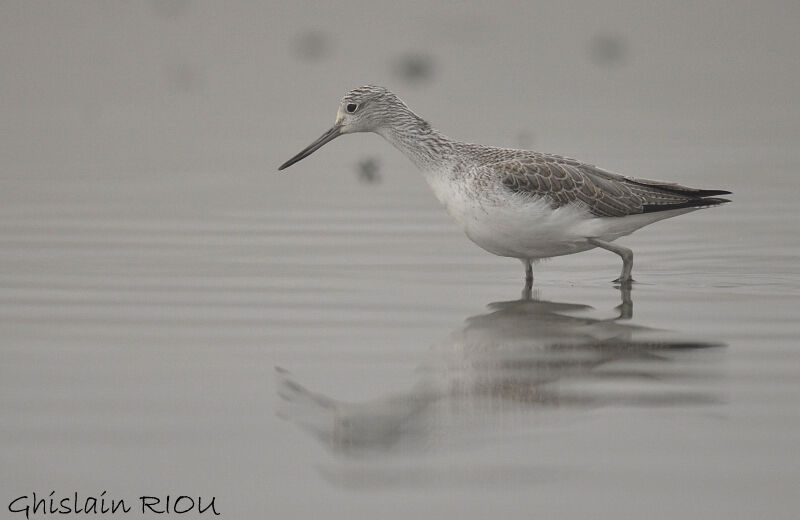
517	203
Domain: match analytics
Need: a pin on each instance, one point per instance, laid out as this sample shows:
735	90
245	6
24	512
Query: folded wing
565	181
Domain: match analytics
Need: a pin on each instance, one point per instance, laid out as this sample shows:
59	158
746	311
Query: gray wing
566	181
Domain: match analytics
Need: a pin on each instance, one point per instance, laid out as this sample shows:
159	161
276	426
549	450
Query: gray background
155	268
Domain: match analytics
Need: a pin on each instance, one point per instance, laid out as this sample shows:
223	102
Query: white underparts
520	226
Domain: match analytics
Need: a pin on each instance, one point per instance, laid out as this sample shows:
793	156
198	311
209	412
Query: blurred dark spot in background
368	170
608	50
414	67
171	8
312	45
183	78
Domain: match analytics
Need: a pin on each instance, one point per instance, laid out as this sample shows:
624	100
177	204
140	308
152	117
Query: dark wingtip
709	193
701	202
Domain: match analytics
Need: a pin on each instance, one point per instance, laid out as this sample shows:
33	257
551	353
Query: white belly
517	226
531	231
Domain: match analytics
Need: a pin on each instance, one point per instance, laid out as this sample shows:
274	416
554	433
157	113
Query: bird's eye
351	107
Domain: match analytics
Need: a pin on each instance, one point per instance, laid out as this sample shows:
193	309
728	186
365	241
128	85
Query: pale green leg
626	255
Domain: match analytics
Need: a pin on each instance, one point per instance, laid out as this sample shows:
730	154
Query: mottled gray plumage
517	203
566	181
561	180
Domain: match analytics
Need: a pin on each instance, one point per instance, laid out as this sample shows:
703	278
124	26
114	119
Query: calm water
178	318
140	352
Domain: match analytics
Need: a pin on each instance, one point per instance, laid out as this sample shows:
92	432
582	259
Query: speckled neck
426	147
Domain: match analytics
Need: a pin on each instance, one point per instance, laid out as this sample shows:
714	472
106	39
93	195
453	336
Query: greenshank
517	203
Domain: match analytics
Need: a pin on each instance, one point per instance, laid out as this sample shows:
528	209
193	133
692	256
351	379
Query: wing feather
566	181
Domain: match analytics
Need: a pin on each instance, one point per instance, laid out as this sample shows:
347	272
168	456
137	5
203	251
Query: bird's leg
526	292
626	255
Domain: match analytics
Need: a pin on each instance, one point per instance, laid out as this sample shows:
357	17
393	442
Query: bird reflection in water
520	356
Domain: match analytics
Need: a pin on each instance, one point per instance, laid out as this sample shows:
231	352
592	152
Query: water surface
178	318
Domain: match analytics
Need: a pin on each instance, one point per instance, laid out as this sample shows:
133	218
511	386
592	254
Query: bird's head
364	109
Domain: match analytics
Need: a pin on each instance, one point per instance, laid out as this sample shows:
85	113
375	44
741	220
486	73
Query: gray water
178	318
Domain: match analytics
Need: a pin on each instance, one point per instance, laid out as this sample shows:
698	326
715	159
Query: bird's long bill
328	136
